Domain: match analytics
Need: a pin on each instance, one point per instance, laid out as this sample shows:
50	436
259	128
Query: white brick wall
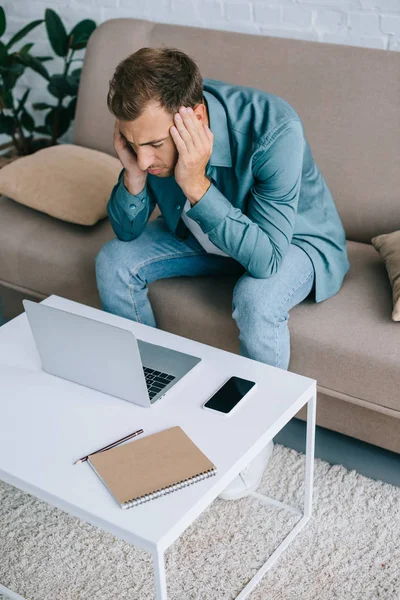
367	23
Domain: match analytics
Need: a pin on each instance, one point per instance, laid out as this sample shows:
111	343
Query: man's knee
108	257
244	290
255	298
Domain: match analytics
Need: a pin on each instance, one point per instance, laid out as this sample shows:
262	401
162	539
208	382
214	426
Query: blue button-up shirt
266	191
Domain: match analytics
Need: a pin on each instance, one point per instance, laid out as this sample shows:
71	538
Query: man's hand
194	141
134	178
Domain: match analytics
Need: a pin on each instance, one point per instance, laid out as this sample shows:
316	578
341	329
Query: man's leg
260	309
124	269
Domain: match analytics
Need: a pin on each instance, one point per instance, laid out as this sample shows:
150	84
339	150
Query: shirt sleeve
129	213
260	239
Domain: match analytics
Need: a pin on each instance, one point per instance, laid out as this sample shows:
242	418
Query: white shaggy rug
350	550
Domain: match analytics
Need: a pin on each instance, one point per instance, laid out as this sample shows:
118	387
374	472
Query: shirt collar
221	152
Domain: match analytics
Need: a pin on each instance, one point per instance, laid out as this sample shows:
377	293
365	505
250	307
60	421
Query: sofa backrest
347	97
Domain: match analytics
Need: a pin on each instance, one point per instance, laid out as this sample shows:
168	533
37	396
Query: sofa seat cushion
49	256
349	342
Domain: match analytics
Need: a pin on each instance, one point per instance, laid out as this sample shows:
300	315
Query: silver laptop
103	356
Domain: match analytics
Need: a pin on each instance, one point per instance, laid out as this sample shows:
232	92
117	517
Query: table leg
309	478
310	451
159	575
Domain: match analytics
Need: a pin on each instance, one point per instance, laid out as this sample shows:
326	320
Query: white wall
367	23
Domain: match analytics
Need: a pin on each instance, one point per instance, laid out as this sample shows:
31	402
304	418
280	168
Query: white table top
46	423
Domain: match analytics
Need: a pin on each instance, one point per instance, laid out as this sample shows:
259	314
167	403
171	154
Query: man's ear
198	114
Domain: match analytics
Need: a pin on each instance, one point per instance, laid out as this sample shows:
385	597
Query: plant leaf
72	108
16	67
44	58
73	80
60	86
2	21
27	121
34	64
12	71
6	99
23	99
63	121
41	106
7	124
73	85
80	34
24	31
25	49
3	52
77	73
43	129
57	33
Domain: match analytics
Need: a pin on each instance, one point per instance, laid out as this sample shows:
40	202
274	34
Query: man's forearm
128	215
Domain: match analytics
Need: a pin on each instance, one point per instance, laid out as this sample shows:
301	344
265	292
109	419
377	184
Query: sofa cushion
68	182
388	246
49	256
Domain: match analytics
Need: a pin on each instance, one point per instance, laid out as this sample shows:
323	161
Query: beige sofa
348	99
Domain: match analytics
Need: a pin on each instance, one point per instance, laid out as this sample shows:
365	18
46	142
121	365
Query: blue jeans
259	306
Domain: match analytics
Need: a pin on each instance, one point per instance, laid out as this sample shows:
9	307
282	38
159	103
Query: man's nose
145	158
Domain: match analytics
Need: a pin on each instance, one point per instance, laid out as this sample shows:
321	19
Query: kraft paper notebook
152	466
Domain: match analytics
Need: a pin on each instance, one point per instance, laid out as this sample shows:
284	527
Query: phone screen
227	397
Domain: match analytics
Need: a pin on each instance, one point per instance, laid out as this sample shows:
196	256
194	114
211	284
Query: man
239	192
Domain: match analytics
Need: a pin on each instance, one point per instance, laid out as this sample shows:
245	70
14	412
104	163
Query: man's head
147	89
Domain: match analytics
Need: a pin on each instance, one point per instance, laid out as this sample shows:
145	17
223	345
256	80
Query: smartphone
229	396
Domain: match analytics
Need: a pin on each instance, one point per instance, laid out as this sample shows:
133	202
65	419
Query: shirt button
143	201
132	206
177	206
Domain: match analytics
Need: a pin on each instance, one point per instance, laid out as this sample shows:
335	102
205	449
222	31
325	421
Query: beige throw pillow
66	181
388	246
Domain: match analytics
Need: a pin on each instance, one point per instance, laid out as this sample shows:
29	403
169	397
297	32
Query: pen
128	437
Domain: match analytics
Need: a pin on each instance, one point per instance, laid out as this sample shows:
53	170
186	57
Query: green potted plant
15	120
63	86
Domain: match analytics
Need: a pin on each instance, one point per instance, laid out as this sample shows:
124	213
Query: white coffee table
47	423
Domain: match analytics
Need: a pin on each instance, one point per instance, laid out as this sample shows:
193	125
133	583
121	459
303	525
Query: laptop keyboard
156	380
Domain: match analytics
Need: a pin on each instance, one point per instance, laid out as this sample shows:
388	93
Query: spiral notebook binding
170	488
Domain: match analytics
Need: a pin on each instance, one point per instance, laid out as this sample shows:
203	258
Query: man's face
154	124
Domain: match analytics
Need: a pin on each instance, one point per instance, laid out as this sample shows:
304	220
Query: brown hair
164	75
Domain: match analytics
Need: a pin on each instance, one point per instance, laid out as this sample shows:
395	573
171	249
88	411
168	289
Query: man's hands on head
194	141
134	178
